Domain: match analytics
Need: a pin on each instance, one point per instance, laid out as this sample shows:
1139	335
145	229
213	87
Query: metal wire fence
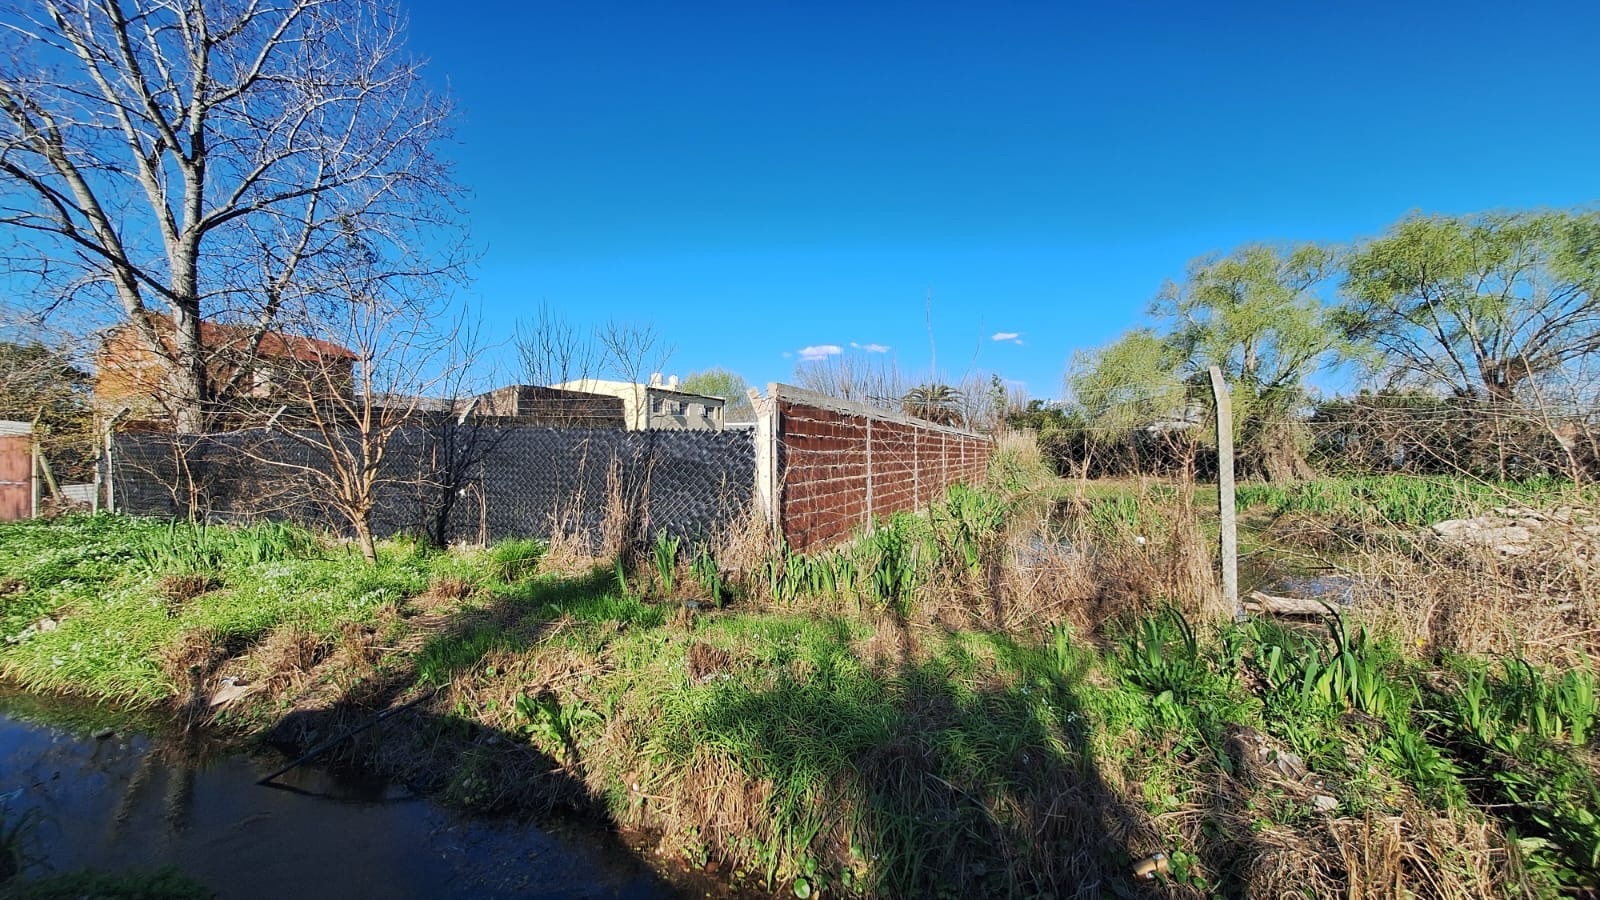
448	481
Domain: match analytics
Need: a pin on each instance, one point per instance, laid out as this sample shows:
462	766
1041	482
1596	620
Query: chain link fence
448	481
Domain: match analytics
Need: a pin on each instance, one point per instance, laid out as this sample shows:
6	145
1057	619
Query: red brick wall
827	489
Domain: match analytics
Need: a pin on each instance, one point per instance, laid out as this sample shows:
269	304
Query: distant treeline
1477	337
1368	434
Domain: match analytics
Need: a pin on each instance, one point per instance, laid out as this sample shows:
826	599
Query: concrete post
916	466
1225	495
766	437
944	463
868	521
111	460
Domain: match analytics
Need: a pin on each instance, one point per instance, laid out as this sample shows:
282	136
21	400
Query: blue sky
758	178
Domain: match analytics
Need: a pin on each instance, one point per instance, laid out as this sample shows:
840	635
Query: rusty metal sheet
16	477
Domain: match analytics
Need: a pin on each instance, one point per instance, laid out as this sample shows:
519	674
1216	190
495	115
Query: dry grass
1070	567
179	589
199	652
706	661
744	544
710	809
1419	851
1475	601
286	656
622	521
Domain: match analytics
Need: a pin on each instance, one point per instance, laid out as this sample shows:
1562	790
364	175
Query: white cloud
1014	337
819	352
871	348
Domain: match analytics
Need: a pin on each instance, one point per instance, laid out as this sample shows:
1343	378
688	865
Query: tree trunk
364	539
1275	451
188	381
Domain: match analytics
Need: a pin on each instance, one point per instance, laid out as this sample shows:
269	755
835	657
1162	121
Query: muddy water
125	802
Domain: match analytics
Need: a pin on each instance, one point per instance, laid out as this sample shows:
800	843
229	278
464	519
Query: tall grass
181	547
1403	500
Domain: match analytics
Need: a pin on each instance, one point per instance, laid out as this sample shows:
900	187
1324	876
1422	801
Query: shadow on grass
916	783
439	749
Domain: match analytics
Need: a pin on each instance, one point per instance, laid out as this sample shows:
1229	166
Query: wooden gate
16	471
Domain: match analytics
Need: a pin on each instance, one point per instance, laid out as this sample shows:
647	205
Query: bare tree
631	352
354	386
865	379
172	162
554	351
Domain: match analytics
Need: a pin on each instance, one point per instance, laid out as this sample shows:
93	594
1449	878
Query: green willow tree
1256	314
1477	306
1129	383
730	386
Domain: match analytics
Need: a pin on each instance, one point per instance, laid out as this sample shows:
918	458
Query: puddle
1331	587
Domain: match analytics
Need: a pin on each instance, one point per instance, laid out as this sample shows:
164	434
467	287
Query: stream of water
126	802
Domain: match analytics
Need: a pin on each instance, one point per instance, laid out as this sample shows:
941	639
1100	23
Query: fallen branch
1287	606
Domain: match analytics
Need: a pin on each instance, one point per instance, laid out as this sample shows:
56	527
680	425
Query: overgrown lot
1014	694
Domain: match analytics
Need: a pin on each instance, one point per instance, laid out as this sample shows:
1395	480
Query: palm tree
935	402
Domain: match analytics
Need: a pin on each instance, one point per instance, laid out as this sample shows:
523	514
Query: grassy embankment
1005	697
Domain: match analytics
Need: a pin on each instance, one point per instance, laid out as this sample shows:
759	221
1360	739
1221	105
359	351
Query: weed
665	552
703	566
972	520
165	883
554	725
517	559
1399	500
444	657
620	571
893	571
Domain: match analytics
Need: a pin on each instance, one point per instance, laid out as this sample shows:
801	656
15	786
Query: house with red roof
258	368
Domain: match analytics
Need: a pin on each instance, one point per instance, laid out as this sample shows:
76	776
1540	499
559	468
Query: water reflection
123	803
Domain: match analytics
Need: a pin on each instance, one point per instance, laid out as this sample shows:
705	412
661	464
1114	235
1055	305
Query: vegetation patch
1009	695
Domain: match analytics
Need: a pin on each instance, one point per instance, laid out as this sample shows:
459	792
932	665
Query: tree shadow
914	783
437	749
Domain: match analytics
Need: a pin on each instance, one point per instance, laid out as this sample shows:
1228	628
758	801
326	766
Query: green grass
929	770
101	580
1401	500
517	558
808	745
843	745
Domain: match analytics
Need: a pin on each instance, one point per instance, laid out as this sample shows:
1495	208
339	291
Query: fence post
916	466
99	482
37	479
868	522
111	459
1225	498
766	437
944	466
